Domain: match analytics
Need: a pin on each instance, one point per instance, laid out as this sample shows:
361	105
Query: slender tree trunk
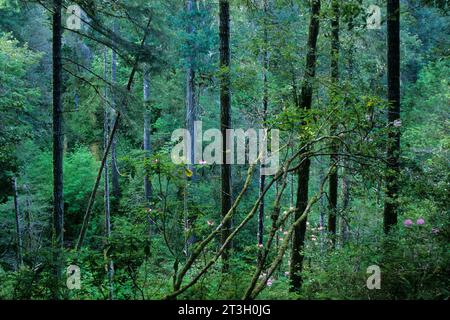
333	182
147	142
18	225
114	169
264	115
393	145
106	130
58	201
345	205
346	178
87	215
298	239
191	113
29	241
225	119
148	190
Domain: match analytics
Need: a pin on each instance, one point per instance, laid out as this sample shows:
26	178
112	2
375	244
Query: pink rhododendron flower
420	221
408	223
286	273
202	162
397	123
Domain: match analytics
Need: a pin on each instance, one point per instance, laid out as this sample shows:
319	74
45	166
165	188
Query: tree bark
191	112
264	115
147	129
18	225
345	205
225	120
346	175
58	201
333	182
29	233
393	144
114	169
298	238
106	130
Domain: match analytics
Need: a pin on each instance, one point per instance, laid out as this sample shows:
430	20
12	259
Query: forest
224	150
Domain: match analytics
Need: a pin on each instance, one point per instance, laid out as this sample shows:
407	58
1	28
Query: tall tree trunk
225	120
191	114
18	225
333	182
114	169
190	86
298	239
106	130
264	115
58	201
393	145
345	205
29	240
147	142
346	175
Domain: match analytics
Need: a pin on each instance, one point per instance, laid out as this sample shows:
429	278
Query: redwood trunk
298	239
58	201
393	145
333	182
225	119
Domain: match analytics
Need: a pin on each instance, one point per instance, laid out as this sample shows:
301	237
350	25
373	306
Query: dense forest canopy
350	99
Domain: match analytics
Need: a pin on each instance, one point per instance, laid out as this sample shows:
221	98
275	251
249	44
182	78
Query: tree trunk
87	215
298	239
345	205
106	130
114	169
264	115
147	143
346	178
333	182
58	201
190	87
18	225
393	144
225	120
29	233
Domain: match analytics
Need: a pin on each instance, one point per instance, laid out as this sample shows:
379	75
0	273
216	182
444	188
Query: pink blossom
286	273
260	245
202	162
397	123
435	230
269	282
420	221
408	223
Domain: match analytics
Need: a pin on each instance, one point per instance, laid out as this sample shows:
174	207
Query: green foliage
152	239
